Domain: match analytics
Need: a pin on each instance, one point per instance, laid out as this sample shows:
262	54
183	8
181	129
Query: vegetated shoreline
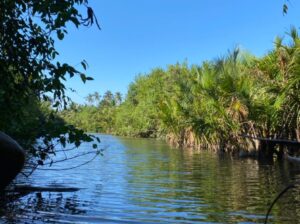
208	106
248	148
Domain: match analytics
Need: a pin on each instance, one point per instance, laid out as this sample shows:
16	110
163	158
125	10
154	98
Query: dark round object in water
12	158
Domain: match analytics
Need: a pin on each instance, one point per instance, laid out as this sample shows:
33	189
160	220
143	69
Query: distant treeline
208	105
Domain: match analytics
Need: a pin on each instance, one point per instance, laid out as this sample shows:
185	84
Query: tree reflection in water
44	207
139	181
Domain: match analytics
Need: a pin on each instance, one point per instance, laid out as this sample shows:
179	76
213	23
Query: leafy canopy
32	80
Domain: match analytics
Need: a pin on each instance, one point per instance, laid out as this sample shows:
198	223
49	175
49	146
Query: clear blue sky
138	35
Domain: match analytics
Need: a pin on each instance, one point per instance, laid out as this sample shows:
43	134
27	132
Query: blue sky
138	35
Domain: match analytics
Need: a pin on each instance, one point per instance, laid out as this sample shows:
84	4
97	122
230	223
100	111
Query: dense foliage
207	105
210	105
98	115
32	85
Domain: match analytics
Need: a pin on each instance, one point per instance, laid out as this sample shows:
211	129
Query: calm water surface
146	181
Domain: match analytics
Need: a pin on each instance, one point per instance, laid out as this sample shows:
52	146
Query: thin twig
73	157
70	168
276	199
65	150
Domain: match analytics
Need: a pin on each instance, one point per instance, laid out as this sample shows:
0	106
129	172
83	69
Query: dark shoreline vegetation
208	106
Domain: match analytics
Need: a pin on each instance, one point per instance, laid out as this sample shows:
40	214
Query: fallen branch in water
293	159
282	141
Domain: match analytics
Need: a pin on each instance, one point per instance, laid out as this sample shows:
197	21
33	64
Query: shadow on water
139	180
39	207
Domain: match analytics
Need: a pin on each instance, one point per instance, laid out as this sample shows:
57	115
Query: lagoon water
147	181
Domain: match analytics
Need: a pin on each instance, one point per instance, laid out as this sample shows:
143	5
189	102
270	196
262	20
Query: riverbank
206	106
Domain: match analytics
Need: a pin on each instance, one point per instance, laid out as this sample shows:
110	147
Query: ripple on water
146	181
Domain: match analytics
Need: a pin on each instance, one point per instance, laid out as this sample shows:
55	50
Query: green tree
31	77
118	98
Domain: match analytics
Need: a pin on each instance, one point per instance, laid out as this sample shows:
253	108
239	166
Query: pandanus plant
282	69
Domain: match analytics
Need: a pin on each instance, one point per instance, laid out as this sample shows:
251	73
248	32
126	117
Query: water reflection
211	188
41	207
146	181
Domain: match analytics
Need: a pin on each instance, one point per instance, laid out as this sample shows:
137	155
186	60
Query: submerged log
274	141
12	158
268	147
293	159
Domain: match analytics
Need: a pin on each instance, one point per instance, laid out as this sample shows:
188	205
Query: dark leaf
83	77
